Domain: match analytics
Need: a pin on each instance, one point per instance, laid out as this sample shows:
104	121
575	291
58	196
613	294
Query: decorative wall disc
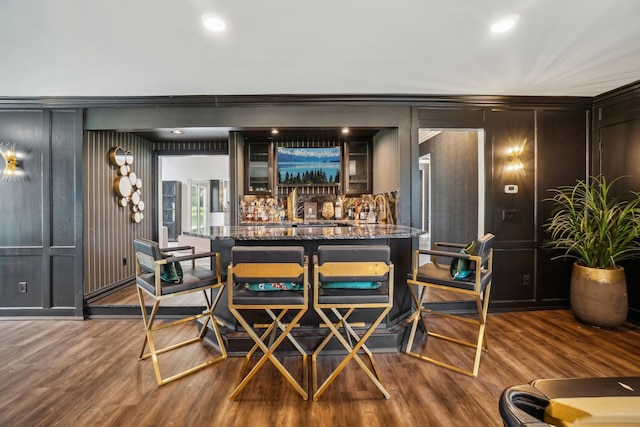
128	157
141	205
139	183
122	186
117	156
135	198
133	178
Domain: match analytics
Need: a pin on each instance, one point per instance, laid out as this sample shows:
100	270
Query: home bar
195	192
400	240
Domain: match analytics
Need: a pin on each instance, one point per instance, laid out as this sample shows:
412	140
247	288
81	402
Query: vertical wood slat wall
108	228
386	161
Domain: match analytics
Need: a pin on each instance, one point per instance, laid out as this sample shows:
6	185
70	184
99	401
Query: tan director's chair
273	280
473	281
151	262
349	279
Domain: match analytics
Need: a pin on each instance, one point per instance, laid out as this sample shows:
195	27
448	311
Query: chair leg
352	351
150	328
416	317
269	350
482	305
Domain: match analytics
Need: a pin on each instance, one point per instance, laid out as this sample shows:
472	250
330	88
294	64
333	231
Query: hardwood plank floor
87	373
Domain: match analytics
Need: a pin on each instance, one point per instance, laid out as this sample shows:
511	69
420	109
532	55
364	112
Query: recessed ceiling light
505	24
274	131
213	22
177	132
345	130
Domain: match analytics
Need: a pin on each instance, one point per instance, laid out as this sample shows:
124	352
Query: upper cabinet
258	168
357	174
275	169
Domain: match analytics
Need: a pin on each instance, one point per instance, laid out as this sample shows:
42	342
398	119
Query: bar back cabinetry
357	168
258	167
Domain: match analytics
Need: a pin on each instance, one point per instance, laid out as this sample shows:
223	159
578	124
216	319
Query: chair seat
353	297
194	278
243	296
440	275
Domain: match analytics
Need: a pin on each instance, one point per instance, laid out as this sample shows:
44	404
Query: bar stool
346	279
444	278
150	263
273	279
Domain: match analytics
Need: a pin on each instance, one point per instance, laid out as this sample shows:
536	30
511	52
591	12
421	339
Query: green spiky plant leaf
590	226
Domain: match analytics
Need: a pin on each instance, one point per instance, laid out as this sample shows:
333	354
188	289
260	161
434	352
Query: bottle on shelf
337	211
364	213
371	216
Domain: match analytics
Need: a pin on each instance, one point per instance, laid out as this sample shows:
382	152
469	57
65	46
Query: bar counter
401	239
309	231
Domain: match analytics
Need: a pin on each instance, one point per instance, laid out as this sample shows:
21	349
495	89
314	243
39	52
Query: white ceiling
419	47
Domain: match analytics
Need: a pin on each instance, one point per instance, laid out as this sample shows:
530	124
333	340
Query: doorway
452	185
203	198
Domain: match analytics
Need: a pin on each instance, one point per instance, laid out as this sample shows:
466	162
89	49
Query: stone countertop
308	231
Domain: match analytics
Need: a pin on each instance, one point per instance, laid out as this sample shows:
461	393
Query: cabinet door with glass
258	167
358	174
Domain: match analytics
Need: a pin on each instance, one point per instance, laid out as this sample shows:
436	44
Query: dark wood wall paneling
558	153
616	152
555	153
109	231
41	232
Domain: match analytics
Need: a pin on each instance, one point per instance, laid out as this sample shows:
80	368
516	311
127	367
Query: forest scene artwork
308	165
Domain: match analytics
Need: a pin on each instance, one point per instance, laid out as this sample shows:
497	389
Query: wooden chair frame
158	296
264	271
349	335
480	294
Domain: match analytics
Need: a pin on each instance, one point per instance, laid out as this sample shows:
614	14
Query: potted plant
597	231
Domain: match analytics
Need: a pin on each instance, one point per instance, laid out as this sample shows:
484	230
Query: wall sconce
13	167
514	152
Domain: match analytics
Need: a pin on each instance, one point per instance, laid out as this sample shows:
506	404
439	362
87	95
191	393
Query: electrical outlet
23	287
508	215
526	280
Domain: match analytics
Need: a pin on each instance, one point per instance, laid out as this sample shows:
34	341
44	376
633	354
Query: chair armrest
449	245
443	253
193	258
176	248
188	257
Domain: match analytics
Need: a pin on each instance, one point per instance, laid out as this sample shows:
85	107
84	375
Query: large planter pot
599	296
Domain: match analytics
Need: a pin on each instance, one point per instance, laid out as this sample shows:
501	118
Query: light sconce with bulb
514	152
13	163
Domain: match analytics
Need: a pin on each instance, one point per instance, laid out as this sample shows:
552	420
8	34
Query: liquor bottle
364	213
337	211
351	215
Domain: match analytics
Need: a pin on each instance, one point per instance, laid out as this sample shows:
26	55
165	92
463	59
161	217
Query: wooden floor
87	373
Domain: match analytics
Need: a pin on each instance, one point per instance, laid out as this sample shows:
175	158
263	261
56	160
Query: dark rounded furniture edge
522	405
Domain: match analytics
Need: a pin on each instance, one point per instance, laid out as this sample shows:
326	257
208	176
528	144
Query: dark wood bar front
401	240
